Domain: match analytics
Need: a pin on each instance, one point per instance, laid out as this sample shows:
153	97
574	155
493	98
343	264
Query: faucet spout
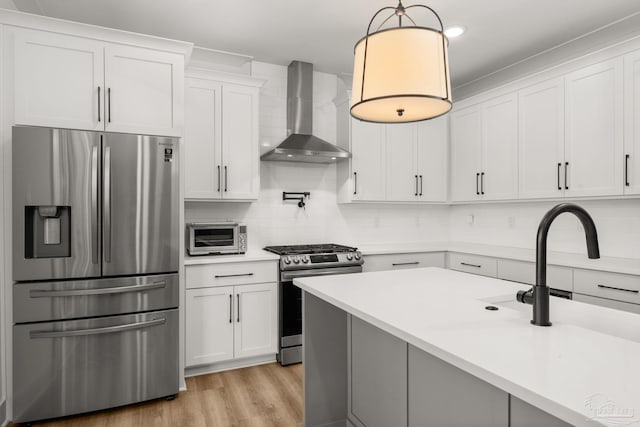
541	291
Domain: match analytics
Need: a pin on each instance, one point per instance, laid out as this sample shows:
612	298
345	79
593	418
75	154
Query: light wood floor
266	395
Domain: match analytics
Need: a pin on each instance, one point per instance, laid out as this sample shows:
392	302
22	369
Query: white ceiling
499	32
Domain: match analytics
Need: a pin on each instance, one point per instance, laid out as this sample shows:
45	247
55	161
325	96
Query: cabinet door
402	175
57	81
209	325
443	395
466	144
632	123
541	140
500	149
203	139
241	165
145	90
368	161
593	145
377	377
256	320
433	144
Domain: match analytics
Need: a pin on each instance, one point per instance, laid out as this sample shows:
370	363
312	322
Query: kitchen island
419	347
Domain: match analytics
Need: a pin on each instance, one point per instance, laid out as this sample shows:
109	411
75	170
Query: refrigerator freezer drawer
64	368
45	301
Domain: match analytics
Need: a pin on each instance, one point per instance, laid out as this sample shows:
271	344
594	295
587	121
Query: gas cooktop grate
327	248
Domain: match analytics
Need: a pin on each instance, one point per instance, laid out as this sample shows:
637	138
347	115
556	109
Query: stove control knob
305	259
287	260
349	256
296	259
358	255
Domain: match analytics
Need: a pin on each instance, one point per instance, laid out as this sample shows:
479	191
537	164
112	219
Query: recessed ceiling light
455	31
289	155
333	158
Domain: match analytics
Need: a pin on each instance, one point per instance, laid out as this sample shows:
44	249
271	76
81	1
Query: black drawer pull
633	291
405	263
559	167
222	276
626	169
471	265
477	183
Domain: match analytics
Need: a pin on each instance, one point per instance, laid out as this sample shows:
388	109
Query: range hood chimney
301	145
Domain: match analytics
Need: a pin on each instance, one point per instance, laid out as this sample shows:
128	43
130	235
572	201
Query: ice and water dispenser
47	231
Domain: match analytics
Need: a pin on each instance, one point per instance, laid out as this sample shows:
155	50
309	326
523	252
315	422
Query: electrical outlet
470	219
512	221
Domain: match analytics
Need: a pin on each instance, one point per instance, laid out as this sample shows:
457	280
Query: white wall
7	4
511	224
272	221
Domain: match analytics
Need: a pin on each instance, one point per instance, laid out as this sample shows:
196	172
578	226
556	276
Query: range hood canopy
301	145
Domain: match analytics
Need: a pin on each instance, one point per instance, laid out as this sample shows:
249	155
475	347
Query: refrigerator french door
95	261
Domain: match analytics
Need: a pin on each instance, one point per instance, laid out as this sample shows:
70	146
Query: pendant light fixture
401	74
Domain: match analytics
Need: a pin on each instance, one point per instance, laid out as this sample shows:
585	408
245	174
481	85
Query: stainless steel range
305	261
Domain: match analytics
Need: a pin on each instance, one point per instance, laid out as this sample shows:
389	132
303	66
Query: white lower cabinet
476	264
403	261
230	322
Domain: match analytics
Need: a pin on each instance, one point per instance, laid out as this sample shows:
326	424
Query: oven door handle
289	275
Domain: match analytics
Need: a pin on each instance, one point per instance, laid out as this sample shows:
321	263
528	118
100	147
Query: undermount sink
608	321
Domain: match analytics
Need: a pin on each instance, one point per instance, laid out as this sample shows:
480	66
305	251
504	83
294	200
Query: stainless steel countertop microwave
216	238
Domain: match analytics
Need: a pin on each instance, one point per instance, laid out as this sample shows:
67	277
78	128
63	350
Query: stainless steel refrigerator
95	261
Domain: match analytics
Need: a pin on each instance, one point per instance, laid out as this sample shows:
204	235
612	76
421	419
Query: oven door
213	239
290	303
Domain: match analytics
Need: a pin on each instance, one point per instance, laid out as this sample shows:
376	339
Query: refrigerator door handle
107	205
96	331
36	293
94	204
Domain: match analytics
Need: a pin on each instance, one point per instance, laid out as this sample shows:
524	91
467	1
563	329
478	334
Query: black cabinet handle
355	183
633	291
566	184
482	183
230	308
416	186
222	276
477	178
471	265
99	91
226	179
559	166
238	315
626	170
421	185
109	105
405	263
218	178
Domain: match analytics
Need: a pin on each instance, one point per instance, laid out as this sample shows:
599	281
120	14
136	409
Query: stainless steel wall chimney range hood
301	145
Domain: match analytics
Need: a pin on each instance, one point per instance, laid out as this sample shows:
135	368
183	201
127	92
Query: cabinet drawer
615	286
237	273
525	272
476	264
604	302
403	261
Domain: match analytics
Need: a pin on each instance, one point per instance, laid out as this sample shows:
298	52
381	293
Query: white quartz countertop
616	265
589	360
250	255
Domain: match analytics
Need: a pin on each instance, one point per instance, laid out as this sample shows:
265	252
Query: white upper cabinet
466	153
499	174
594	144
221	138
433	159
368	163
143	86
484	151
541	140
203	136
402	166
59	81
80	83
240	150
632	123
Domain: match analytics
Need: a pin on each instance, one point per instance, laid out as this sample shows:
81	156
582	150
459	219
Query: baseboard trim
228	365
3	414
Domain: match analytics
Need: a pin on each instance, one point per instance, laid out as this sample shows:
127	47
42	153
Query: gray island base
358	375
